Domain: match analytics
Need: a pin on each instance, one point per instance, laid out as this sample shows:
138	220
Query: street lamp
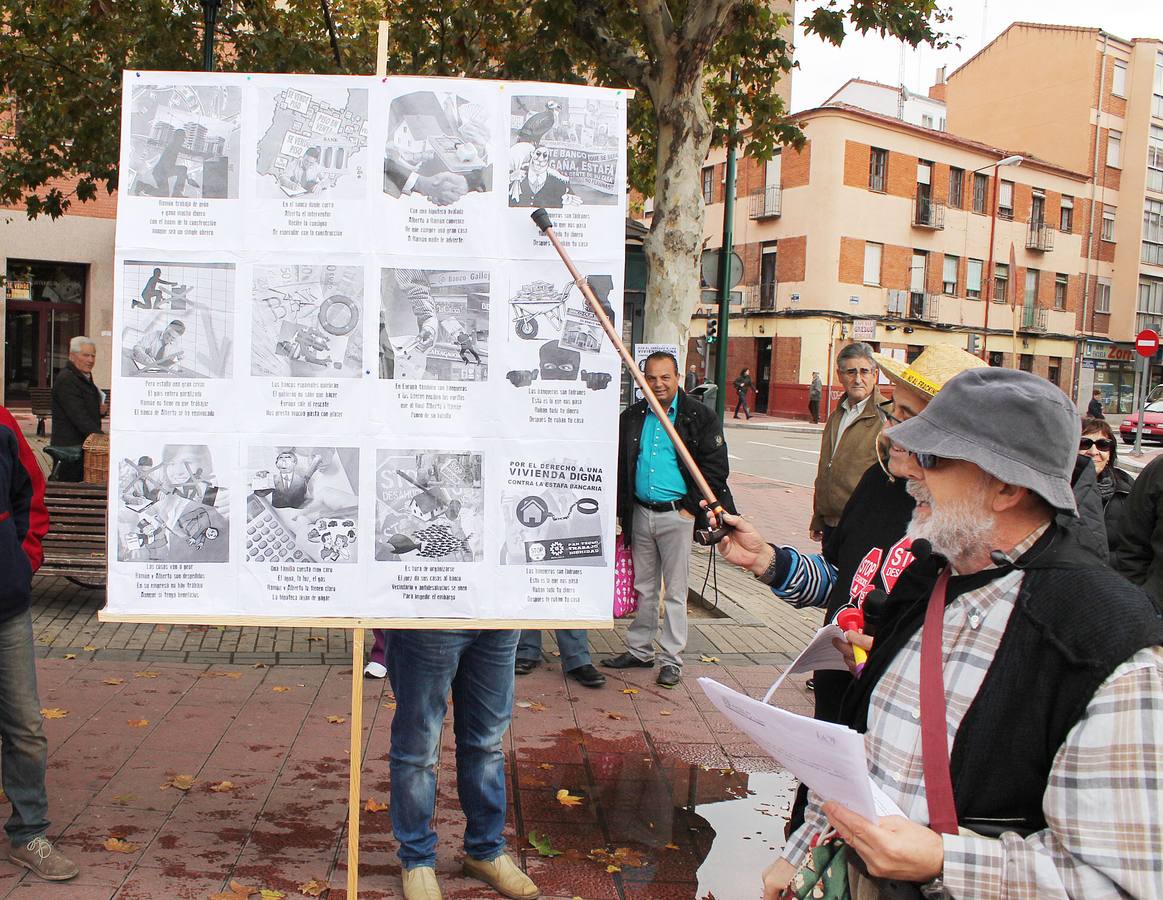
209	17
1014	160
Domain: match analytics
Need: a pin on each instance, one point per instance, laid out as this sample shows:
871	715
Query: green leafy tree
60	78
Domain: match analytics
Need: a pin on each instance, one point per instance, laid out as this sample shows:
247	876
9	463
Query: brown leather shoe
420	884
503	876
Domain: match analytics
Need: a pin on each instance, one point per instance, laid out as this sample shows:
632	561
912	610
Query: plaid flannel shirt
1103	802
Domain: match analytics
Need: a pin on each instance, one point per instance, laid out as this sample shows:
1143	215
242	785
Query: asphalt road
779	456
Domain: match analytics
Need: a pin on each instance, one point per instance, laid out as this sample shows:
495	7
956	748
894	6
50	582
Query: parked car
1152	424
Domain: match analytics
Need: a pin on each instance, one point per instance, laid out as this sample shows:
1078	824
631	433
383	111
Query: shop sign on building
864	329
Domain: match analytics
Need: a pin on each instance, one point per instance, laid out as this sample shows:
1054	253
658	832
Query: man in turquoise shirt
657	505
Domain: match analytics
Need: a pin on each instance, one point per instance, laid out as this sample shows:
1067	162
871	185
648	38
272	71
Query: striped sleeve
808	581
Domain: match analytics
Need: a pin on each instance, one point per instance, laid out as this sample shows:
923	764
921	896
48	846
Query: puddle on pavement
684	821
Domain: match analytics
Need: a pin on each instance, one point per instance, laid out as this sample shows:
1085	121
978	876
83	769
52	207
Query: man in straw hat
1010	703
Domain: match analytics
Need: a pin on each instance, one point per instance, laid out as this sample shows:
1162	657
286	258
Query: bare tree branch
705	21
590	26
330	22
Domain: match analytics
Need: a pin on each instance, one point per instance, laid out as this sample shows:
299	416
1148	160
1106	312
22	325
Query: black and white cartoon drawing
429	505
563	152
171	508
184	141
177	319
438	147
305	321
316	142
434	324
302	505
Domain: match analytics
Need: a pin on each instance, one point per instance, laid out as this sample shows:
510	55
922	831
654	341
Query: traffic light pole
725	262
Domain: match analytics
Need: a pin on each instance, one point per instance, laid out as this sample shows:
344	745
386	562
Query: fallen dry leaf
70	656
113	681
54	713
271	894
222	786
612	869
314	888
708	659
546	766
146	674
89	648
259	666
373	805
337	720
316	639
565	798
531	704
614	715
672	846
235	891
629	690
391	704
117	845
180	782
280	689
665	712
219	674
124	799
138	723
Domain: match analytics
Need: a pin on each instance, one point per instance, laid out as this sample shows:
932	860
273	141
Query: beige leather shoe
420	884
503	876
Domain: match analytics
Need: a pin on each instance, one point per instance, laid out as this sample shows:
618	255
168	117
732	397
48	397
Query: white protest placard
354	380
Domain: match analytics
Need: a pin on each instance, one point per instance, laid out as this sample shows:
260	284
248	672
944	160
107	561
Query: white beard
958	530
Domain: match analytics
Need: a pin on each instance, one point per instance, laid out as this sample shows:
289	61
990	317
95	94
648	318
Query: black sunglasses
926	461
1103	444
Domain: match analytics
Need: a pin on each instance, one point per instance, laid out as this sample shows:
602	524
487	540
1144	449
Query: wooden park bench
40	401
75	544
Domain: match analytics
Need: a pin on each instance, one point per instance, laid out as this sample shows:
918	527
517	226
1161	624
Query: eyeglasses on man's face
853	372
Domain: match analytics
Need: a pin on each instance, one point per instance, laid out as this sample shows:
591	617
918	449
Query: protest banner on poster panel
354	380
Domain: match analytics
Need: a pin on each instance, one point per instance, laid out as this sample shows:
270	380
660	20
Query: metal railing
924	306
1040	236
1035	318
767	204
928	213
759	298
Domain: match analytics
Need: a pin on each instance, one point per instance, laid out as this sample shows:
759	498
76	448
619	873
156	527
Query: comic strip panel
184	141
302	504
429	506
434	324
305	321
564	151
173	504
176	319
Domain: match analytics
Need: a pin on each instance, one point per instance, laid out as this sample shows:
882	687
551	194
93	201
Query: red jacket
23	518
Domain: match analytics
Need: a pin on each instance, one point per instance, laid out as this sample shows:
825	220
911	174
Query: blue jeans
478	667
24	754
574	644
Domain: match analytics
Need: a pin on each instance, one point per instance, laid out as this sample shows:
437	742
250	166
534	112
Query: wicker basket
96	449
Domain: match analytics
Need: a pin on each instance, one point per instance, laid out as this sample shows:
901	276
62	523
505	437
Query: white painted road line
782	447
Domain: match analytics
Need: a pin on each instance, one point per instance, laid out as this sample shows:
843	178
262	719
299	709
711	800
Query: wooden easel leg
353	784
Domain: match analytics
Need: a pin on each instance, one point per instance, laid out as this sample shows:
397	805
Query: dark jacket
1094	409
23	518
1115	508
1139	555
76	408
698	426
743	385
1090	523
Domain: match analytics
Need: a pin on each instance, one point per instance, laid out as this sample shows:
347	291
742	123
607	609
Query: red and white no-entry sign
1147	342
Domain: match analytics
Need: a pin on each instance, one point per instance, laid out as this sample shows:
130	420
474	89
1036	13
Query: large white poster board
351	378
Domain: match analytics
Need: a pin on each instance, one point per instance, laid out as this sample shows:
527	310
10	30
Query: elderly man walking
848	445
1010	701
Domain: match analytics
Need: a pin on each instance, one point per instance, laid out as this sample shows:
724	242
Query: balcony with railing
759	298
1040	236
766	204
1035	318
924	306
928	213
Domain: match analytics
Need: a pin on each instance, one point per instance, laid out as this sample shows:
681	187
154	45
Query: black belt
666	506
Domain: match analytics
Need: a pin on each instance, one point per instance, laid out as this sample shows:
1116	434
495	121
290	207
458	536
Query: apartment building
903	236
1091	102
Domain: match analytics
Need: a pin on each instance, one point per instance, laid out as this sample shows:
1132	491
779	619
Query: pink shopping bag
625	599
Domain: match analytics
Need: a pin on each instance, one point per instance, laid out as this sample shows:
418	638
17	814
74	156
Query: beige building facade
903	236
1092	102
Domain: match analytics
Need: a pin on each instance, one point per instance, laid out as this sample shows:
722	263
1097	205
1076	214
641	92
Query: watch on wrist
767	576
934	889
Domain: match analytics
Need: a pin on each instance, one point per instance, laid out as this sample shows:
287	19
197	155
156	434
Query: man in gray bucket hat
1021	744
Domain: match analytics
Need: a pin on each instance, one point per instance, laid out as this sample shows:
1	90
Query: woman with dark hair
742	385
1098	442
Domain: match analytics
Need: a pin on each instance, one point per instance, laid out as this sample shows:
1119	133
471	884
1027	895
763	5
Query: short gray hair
80	341
855	350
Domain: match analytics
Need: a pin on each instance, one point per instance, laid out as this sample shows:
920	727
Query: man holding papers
1011	700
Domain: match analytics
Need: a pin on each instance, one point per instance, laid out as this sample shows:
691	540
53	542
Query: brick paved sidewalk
268	801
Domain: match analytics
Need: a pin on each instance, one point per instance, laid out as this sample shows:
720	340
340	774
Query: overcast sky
823	68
